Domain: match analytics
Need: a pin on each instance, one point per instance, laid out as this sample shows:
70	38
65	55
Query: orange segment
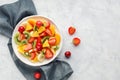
52	28
32	21
58	38
28	27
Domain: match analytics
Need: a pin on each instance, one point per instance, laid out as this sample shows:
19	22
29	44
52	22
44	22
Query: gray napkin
10	15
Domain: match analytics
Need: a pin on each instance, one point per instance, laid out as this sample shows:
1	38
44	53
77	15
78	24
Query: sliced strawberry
71	30
47	24
33	55
21	37
39	46
76	41
43	34
28	47
38	40
48	31
48	54
52	41
31	39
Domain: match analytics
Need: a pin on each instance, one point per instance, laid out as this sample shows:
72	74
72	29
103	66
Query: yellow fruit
21	49
32	21
52	28
46	44
58	38
28	27
35	34
35	60
41	29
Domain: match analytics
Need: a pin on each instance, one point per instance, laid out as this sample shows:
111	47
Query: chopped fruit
31	39
35	34
48	31
28	27
35	60
33	55
76	41
21	49
67	54
43	34
39	46
21	37
52	28
39	23
32	21
41	29
27	47
41	57
38	40
52	41
37	75
58	39
71	30
46	23
48	54
46	44
21	29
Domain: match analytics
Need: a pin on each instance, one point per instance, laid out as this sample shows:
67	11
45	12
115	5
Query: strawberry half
76	41
48	54
71	30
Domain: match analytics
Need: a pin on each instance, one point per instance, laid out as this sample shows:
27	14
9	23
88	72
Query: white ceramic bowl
21	57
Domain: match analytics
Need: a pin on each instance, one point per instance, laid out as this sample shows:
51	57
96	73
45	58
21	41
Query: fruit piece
21	37
21	49
67	54
41	57
46	44
46	23
23	42
58	38
48	31
39	46
48	54
32	21
27	34
52	41
33	55
37	75
31	39
34	44
27	47
43	34
35	34
39	23
44	39
55	47
52	28
35	28
38	40
76	41
21	29
17	41
41	29
71	30
28	27
35	60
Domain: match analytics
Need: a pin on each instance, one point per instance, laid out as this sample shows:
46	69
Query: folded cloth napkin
10	15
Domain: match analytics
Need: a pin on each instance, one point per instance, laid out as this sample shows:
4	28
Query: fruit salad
37	39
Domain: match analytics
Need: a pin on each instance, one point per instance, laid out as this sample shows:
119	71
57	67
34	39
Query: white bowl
21	57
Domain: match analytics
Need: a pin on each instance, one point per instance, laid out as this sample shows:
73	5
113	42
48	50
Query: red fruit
47	24
37	75
48	54
39	46
48	31
21	29
28	47
21	37
52	41
38	40
31	39
43	34
71	30
67	54
39	23
33	55
76	41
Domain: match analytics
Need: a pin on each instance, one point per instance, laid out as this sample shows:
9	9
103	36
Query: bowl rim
14	46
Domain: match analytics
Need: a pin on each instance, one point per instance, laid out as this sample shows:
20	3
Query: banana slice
41	57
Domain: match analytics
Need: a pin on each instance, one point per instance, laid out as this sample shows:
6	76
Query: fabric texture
10	15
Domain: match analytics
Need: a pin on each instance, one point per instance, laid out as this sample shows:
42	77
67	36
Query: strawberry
76	41
28	47
48	54
33	55
71	30
52	41
31	39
